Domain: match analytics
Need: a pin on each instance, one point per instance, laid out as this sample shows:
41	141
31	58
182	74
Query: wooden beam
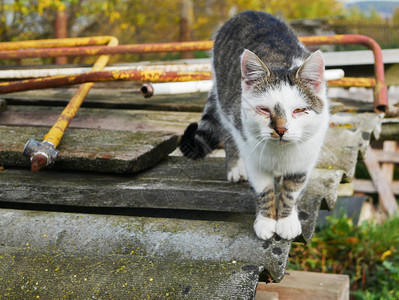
367	186
307	285
387	157
388	167
386	198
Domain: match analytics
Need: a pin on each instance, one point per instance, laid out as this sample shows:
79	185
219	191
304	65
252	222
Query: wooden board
176	183
308	286
99	118
91	150
111	98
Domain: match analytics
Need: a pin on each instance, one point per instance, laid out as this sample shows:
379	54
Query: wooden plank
387	157
386	198
367	186
111	98
176	183
309	286
95	118
91	150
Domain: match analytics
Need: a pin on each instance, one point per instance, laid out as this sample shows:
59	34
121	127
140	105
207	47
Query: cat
269	106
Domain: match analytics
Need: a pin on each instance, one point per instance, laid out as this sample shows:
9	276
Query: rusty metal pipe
347	82
380	89
54	43
98	76
100	50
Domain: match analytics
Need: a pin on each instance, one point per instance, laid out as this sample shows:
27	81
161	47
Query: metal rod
352	82
380	89
100	50
37	73
54	43
98	76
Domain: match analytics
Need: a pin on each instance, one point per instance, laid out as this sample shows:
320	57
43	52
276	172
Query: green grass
368	253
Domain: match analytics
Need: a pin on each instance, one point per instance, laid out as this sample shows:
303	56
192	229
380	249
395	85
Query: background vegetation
368	253
135	21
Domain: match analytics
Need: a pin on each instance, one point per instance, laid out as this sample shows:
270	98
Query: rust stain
38	162
101	76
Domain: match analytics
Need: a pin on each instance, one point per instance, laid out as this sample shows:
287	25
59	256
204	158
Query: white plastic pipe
334	74
172	88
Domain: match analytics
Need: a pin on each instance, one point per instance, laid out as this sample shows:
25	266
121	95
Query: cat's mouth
281	141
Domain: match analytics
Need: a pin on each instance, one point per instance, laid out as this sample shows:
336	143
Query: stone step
53	274
162	239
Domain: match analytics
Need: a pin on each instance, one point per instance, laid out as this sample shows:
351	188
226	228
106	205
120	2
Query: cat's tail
199	140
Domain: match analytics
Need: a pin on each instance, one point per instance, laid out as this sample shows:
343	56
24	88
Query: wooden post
387	168
186	22
386	198
61	21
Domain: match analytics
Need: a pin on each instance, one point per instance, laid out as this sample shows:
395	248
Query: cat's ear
312	71
252	68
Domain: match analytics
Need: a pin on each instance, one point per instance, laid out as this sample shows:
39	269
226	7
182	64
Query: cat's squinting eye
300	110
263	110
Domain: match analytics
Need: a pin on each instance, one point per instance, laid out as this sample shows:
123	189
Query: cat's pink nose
280	130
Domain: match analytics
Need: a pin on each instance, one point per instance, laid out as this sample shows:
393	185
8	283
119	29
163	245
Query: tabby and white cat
269	107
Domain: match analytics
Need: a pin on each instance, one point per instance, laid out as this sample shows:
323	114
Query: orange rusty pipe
352	82
380	89
54	43
99	50
123	75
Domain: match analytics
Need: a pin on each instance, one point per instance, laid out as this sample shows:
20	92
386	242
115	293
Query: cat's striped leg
265	223
288	225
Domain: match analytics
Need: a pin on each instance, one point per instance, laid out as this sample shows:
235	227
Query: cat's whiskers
256	146
260	158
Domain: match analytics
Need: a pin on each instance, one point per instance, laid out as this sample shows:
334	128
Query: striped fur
200	140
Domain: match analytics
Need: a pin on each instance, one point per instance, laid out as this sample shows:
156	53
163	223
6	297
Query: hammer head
41	154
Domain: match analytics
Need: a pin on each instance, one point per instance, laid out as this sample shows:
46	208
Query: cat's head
283	105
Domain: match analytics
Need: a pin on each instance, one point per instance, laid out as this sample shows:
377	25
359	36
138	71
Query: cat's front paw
264	227
238	172
289	227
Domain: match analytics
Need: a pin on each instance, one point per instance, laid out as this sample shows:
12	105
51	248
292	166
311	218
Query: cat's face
285	110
